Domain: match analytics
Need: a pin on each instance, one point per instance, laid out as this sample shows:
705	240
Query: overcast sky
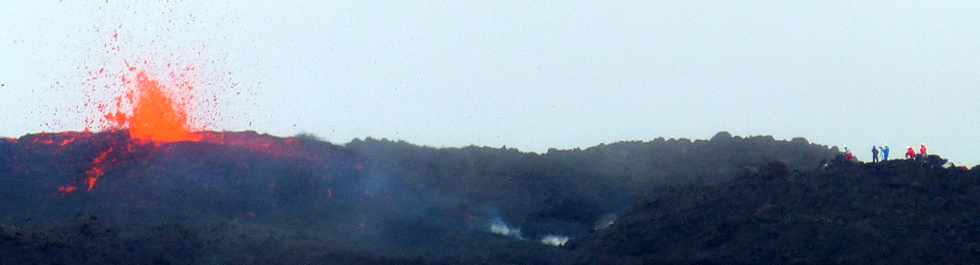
528	74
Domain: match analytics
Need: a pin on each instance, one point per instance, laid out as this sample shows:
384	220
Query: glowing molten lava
149	105
67	189
155	117
148	111
98	169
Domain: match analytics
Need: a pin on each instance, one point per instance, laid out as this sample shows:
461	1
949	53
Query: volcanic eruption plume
148	113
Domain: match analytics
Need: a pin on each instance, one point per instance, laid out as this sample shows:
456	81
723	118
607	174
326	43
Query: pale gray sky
528	74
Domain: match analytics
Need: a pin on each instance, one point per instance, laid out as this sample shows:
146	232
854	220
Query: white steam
498	226
554	240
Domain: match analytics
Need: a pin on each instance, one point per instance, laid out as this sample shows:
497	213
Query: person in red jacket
910	154
848	155
922	150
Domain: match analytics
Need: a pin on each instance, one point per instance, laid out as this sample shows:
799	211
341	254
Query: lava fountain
155	116
148	113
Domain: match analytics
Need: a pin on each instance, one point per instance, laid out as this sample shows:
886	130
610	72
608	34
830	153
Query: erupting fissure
152	103
149	112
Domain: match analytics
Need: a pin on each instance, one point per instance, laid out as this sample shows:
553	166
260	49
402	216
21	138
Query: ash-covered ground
246	198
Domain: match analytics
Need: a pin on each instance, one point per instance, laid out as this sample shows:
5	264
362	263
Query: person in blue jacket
884	153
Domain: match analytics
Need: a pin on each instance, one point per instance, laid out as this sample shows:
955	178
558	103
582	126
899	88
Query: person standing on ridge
884	153
848	155
922	150
874	154
910	154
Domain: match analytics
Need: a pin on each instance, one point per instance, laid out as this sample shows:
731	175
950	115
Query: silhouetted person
910	154
874	154
884	153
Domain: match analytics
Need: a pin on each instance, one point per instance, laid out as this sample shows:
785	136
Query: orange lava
67	189
98	169
287	148
155	104
155	116
150	113
62	140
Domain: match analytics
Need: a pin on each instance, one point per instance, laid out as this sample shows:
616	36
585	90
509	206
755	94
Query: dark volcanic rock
897	212
247	198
